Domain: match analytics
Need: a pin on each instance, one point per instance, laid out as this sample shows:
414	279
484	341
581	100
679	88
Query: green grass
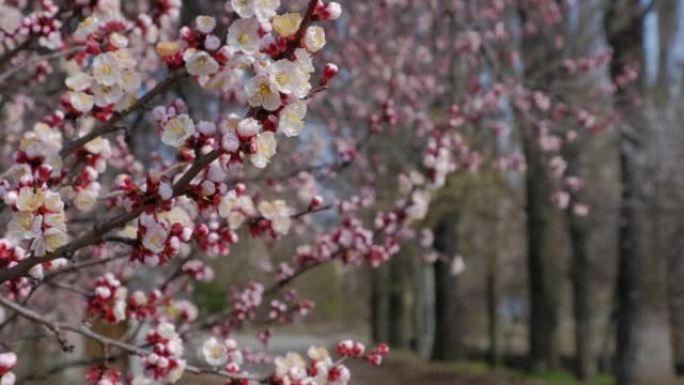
566	378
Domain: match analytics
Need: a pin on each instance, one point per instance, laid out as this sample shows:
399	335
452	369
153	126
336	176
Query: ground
402	369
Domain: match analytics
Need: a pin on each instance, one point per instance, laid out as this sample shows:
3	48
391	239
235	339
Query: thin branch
58	329
112	124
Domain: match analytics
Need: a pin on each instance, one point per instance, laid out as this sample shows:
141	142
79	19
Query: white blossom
215	353
81	101
243	35
177	130
278	213
262	91
314	38
266	146
290	78
155	237
205	24
80	81
200	63
248	127
291	118
106	69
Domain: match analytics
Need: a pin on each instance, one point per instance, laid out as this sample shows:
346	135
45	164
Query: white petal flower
228	202
81	101
244	8
200	63
57	221
107	95
265	9
85	199
177	372
106	69
99	146
30	199
130	81
230	141
79	81
304	60
287	25
86	27
177	130
266	146
212	42
214	352
236	219
314	38
205	24
155	238
53	202
292	365
291	118
243	35
125	58
318	354
278	213
118	40
51	240
290	78
8	378
248	127
262	91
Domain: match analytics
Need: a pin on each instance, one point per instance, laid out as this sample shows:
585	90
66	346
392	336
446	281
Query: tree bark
494	353
644	352
543	274
379	304
585	363
541	61
425	311
585	357
448	344
396	314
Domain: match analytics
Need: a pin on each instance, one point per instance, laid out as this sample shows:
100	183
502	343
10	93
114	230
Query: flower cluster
38	217
246	302
111	83
165	364
293	368
352	349
109	300
7	362
162	236
223	353
104	376
291	305
141	305
277	216
43	25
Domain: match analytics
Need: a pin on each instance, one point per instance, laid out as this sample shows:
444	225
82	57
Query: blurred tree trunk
676	297
542	269
396	312
448	344
425	310
668	98
644	352
585	358
540	63
494	353
379	305
389	318
578	228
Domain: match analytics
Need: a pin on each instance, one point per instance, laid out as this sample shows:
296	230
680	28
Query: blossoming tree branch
122	240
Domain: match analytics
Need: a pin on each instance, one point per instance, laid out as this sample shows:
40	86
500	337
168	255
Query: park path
399	369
